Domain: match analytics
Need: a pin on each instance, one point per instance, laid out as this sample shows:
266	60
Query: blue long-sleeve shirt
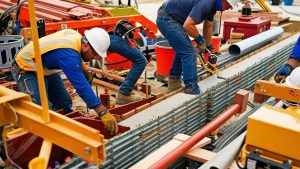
69	61
296	51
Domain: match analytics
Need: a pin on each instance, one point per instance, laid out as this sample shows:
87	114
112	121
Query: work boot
125	99
173	84
193	90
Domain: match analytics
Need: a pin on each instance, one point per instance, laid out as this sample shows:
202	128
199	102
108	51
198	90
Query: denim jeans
121	47
57	93
184	62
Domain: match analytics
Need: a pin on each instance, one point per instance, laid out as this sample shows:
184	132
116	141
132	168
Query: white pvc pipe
254	42
226	156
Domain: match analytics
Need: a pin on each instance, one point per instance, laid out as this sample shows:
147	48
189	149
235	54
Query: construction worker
65	50
292	63
177	20
122	43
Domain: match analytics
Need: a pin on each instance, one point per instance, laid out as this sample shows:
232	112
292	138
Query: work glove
210	48
283	73
109	121
88	76
201	44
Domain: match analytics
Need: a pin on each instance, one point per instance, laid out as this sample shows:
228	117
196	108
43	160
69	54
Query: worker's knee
140	61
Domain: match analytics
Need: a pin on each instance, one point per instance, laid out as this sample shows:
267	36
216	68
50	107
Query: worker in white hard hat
292	63
177	20
65	50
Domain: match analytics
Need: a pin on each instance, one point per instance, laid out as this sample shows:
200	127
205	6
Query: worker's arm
293	62
70	62
207	31
190	27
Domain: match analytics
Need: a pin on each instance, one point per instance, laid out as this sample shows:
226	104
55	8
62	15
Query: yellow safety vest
66	38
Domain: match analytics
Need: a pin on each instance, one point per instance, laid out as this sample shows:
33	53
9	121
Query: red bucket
116	61
164	58
216	42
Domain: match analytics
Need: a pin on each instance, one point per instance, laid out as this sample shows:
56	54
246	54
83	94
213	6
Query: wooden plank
131	106
63	5
128	114
200	155
143	107
6	3
157	155
47	16
167	148
183	137
51	11
157	101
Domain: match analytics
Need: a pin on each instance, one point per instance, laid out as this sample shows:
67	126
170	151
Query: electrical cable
7	10
115	63
236	158
5	18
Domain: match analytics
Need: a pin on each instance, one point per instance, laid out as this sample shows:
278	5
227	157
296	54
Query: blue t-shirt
199	10
69	61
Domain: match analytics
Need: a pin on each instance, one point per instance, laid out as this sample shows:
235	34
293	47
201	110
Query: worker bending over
292	63
65	50
120	43
177	20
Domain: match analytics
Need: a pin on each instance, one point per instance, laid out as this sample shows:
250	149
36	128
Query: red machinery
248	25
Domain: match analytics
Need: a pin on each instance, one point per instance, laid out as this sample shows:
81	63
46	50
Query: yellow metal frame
274	131
17	108
263	5
279	91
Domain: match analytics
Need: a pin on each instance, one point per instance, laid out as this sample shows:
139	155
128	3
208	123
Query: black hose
115	63
2	149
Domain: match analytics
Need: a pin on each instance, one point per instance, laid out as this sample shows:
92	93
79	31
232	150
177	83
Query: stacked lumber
275	17
58	10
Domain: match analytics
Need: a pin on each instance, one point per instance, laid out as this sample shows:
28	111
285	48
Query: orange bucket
164	58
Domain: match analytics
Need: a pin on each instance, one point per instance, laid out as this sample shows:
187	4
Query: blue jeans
121	47
56	91
185	58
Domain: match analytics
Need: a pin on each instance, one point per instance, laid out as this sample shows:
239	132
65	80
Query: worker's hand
201	44
109	121
210	48
283	73
88	76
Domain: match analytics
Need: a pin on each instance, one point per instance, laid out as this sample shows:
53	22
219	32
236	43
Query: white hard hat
294	78
233	3
99	39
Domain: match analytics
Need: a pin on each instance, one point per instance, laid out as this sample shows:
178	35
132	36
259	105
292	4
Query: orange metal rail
105	23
